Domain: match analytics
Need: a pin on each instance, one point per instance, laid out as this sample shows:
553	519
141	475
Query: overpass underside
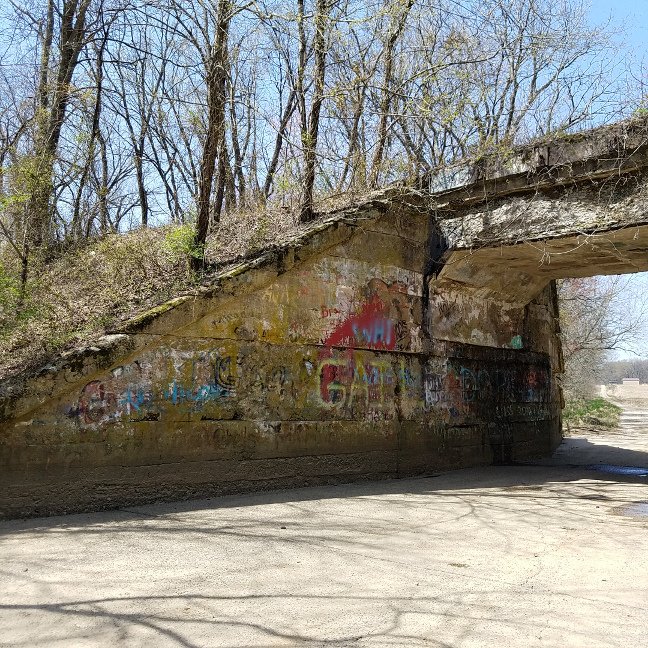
511	248
576	207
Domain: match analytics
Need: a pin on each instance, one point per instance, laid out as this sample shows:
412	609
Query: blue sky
631	18
630	308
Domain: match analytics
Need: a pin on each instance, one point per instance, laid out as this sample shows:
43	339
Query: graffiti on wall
212	377
469	387
354	379
97	401
384	320
360	382
141	388
364	366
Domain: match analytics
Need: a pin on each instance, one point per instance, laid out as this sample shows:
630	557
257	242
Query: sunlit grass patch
594	412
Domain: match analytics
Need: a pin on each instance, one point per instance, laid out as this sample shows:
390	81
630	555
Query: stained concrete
415	331
323	364
552	555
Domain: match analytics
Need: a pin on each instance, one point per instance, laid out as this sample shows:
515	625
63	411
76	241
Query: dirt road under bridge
547	555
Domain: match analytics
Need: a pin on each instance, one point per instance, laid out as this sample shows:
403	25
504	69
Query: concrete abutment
409	335
324	372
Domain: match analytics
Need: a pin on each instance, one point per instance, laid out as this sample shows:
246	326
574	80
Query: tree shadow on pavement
379	525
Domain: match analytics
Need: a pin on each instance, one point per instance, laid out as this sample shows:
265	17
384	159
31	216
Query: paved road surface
551	555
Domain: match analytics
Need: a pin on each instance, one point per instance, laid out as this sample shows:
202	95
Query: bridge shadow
342	524
577	459
613	448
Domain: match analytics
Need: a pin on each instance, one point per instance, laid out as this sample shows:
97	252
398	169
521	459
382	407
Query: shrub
179	243
595	412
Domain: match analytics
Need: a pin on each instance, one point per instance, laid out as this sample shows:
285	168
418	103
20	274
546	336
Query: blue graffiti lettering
200	395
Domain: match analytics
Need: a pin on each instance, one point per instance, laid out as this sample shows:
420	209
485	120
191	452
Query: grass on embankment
591	413
80	290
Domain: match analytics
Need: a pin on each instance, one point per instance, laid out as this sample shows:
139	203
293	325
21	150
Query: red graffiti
380	324
370	328
329	312
96	402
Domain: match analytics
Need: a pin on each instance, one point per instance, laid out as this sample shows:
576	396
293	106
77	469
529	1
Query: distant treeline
616	371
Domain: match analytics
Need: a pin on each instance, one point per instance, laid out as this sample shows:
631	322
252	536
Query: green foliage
9	290
179	243
28	174
24	178
12	200
594	412
16	306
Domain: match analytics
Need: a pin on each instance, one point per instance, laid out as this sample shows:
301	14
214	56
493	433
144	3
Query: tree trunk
94	134
236	149
309	138
53	105
216	88
385	104
281	133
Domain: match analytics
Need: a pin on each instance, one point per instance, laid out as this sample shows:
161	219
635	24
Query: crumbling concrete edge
551	162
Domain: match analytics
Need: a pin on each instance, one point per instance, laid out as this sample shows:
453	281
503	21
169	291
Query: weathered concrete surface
415	332
496	556
324	364
556	161
573	206
509	249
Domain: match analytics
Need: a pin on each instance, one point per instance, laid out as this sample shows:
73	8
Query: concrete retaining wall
336	360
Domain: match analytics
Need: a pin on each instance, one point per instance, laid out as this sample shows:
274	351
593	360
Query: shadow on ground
520	555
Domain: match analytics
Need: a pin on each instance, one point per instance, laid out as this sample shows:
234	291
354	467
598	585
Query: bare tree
310	130
180	110
65	31
215	66
397	17
595	319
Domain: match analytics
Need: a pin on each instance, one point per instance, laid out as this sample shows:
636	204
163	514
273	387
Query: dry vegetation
88	289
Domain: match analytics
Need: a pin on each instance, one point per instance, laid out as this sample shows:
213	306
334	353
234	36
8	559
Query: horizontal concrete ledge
616	150
91	489
447	203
